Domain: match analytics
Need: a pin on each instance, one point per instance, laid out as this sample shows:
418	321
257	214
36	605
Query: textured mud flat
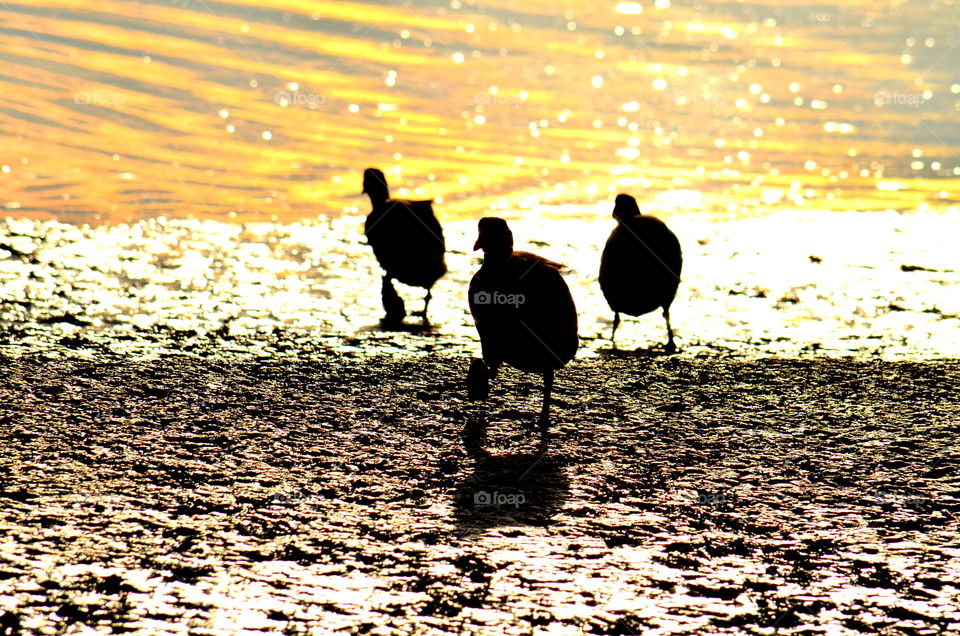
308	491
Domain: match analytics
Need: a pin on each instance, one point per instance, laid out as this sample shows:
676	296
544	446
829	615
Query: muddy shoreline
318	491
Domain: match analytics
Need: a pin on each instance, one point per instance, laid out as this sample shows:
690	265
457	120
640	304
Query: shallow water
864	284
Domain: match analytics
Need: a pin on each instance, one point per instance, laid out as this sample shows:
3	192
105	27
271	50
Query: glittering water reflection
125	109
847	283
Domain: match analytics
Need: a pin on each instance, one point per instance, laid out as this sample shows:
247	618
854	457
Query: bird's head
375	185
494	237
625	207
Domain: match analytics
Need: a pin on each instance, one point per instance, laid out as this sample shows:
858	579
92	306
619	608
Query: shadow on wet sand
527	487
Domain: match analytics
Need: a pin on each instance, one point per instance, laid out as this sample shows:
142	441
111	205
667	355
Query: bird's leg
671	346
392	303
478	380
426	303
547	388
616	323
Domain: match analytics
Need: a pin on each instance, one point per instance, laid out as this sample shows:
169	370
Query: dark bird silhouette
640	265
408	242
523	311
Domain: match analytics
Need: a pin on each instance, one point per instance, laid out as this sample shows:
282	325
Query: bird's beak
476	245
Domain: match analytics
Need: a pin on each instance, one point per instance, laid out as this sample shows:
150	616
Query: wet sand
308	490
787	285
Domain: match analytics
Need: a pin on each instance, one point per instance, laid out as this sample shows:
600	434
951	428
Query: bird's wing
667	246
526	259
423	210
485	318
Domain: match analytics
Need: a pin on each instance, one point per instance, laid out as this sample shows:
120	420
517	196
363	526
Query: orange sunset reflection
118	111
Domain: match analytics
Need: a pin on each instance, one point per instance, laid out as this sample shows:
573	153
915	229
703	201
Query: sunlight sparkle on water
719	113
278	84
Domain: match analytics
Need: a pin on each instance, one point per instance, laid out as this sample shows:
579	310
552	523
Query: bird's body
523	311
406	239
530	321
640	266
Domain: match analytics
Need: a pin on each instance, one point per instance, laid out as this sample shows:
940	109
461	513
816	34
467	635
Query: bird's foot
422	315
543	428
545	437
543	421
393	319
478	380
656	350
393	305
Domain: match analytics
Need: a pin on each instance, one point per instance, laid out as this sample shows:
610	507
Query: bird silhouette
408	242
640	265
523	311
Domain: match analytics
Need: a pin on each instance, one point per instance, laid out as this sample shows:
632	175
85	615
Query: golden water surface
120	110
806	156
